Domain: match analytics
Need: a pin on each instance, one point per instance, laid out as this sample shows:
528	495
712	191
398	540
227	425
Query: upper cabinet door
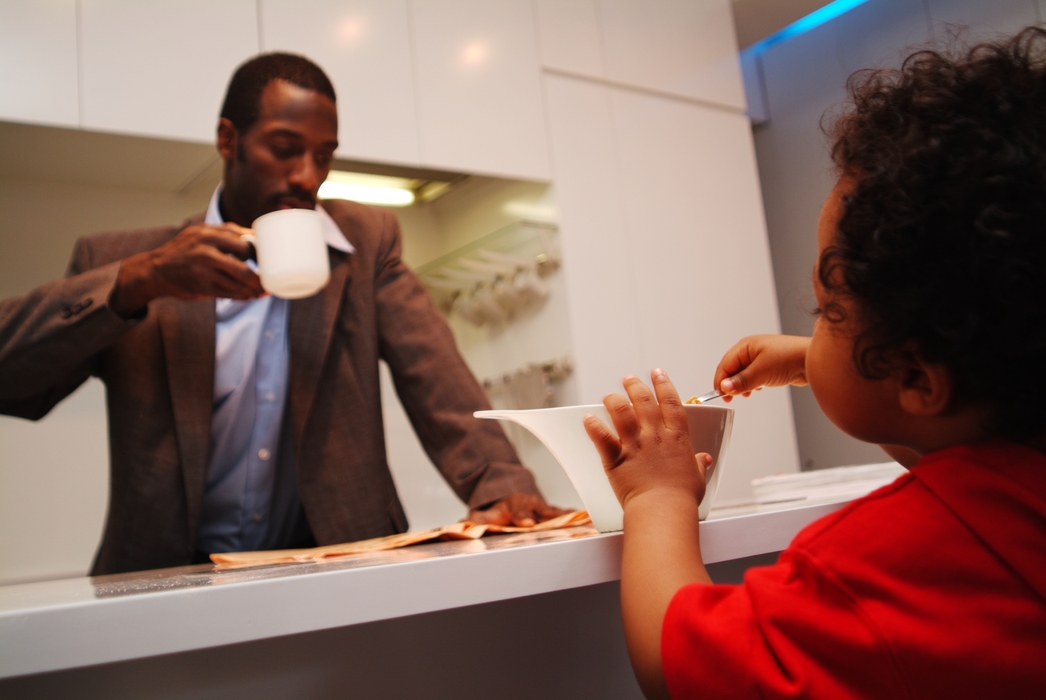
160	68
568	36
479	87
38	62
364	46
684	47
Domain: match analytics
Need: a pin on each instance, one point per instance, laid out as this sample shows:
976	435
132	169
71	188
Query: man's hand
762	360
199	263
518	509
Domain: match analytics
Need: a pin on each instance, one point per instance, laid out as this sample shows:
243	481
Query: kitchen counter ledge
71	623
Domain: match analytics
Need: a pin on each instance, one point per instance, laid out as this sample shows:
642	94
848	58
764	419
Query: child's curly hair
942	243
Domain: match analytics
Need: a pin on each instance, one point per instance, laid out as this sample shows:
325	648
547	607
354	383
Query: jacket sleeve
50	338
436	387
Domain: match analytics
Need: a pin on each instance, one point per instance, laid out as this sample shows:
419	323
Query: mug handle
252	251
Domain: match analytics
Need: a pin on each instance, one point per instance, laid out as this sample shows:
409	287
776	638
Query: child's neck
956	427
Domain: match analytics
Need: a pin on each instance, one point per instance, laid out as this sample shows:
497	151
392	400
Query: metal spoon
705	398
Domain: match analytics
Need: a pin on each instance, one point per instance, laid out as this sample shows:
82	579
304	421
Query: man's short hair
243	95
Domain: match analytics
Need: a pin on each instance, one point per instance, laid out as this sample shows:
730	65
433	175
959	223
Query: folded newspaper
458	531
837	482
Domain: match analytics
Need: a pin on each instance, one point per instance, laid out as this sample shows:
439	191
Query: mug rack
529	386
493	278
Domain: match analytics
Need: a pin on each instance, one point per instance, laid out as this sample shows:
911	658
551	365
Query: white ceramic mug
292	252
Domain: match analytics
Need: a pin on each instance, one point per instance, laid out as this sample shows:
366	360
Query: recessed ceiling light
368	189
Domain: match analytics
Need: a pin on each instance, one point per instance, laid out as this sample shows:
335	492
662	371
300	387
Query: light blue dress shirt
250	500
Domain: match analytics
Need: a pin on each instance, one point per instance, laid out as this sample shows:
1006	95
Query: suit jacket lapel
187	329
311	327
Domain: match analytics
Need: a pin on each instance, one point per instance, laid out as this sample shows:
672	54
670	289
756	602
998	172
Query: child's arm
762	360
660	483
776	360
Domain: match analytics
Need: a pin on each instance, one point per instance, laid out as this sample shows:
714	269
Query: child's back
934	586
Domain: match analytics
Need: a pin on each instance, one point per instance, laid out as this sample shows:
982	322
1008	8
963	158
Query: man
241	421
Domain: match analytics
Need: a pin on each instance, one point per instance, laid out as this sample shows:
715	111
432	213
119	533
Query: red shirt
931	587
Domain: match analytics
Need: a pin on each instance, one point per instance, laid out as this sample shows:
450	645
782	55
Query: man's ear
925	389
227	139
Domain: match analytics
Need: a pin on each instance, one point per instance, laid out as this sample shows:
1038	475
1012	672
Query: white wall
664	243
804	77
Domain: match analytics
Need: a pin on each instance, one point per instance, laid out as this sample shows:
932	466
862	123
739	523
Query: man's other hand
201	262
518	509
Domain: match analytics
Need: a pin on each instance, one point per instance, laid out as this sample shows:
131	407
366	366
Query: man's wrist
131	294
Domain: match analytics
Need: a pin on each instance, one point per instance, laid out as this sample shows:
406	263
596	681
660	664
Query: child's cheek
824	376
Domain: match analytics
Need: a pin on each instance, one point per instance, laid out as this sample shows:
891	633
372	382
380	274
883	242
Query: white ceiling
70	155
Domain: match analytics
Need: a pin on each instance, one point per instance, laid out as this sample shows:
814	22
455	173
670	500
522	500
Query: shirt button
263	453
270	396
268	334
257	517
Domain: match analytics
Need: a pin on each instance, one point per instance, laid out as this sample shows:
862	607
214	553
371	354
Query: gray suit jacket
159	376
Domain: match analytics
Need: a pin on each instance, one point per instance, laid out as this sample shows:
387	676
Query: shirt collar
331	232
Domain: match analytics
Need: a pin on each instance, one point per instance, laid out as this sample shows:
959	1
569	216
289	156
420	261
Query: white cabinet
38	62
160	68
684	47
665	252
364	47
697	241
478	86
568	36
594	236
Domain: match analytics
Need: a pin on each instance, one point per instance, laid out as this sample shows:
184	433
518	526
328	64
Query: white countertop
70	623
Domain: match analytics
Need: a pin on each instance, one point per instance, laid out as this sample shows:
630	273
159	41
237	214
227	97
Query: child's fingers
623	416
704	463
607	446
671	407
736	359
643	403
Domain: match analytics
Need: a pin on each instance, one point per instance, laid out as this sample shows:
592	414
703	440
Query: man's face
283	158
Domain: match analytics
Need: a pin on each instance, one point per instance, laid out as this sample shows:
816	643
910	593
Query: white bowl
562	431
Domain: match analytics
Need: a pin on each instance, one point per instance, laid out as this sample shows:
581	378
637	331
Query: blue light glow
805	24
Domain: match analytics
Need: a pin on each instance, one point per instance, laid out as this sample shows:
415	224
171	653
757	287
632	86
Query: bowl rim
591	406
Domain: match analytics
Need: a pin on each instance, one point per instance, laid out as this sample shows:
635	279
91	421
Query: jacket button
67	312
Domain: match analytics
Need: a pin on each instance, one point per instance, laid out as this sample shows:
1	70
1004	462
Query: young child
930	340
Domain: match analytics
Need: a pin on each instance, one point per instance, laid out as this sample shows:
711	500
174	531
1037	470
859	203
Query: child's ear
924	389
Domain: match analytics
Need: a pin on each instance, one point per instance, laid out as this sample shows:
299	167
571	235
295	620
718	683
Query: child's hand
762	360
653	453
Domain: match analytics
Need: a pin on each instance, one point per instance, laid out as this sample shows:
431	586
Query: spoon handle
704	398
